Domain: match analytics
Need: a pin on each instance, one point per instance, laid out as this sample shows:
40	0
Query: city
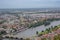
27	25
29	19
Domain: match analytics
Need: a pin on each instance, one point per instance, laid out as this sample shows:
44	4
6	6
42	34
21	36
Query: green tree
27	39
57	37
44	39
36	32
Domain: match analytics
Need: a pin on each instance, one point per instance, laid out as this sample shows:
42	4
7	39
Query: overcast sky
29	3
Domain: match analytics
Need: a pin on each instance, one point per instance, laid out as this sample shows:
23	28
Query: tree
44	39
14	29
27	39
52	27
36	32
21	39
1	38
57	37
3	32
4	27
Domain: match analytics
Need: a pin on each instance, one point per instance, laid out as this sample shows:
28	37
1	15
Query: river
32	31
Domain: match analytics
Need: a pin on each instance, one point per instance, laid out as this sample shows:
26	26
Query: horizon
33	8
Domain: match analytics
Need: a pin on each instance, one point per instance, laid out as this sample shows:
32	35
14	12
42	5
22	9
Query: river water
32	31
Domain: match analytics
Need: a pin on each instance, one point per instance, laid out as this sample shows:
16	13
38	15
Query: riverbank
54	32
53	35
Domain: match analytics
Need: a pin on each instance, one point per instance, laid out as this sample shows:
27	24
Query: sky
29	3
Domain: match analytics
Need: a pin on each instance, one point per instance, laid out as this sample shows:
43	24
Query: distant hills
40	10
